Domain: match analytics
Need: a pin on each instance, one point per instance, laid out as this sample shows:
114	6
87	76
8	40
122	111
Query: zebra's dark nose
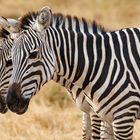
13	96
13	92
14	101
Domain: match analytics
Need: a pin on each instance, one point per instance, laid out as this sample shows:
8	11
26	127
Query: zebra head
28	63
5	66
7	33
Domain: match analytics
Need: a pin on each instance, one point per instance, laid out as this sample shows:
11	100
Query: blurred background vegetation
52	115
111	13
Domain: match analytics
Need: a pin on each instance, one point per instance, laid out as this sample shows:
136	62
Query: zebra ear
14	25
3	22
43	19
11	25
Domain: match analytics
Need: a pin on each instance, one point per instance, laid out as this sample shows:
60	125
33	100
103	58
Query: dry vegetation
52	115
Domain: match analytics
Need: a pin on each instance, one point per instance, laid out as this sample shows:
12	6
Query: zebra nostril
14	90
13	96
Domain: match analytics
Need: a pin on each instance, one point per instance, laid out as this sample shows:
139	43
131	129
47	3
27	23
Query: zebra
8	29
56	18
110	83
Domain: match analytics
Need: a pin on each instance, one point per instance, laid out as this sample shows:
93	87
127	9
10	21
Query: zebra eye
33	54
9	62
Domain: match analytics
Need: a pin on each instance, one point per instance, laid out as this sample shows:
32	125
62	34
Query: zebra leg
101	130
123	128
85	107
95	126
106	131
86	126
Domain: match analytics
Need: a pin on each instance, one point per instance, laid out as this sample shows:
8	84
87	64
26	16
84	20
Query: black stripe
105	69
134	47
77	25
127	57
81	58
99	55
72	37
89	47
118	55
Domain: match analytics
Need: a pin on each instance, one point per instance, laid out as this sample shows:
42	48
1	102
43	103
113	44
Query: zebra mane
58	20
4	33
99	26
27	20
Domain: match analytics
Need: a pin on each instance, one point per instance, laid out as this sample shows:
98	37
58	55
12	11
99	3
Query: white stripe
114	58
136	41
124	61
86	67
102	61
133	62
75	57
65	54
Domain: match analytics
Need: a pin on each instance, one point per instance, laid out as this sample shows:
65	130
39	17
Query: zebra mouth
23	109
15	102
19	106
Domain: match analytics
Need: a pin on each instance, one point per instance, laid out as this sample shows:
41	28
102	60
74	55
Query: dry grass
42	123
51	114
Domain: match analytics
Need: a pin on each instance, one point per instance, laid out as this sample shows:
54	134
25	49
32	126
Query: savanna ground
51	114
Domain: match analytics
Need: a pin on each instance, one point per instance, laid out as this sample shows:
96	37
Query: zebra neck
62	81
73	53
73	90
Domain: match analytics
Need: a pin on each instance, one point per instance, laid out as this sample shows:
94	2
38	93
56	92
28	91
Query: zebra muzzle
15	102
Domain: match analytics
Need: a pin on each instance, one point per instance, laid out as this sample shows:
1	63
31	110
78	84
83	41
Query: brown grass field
51	114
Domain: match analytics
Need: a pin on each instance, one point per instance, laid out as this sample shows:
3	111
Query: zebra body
121	82
113	64
106	72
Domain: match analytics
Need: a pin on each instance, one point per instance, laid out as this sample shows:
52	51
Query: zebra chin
3	106
15	102
19	109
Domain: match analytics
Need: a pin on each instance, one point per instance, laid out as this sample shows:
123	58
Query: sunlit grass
42	123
